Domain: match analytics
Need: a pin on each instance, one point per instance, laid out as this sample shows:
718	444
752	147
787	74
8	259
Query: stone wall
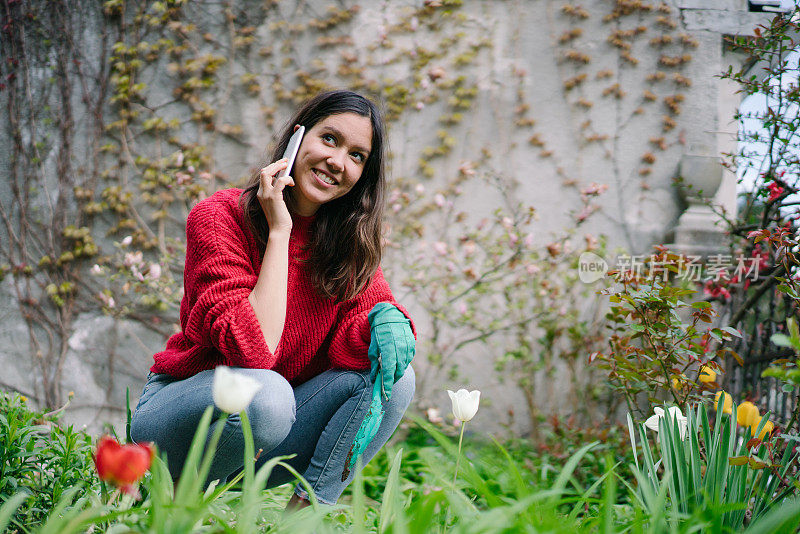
553	95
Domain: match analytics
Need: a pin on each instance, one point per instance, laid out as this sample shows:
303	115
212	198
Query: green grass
49	486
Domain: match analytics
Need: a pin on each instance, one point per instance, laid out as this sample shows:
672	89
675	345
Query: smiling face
330	160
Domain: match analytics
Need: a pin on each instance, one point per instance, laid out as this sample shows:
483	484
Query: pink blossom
137	273
396	207
96	270
506	222
775	191
154	272
528	240
469	248
127	241
419	106
554	249
462	308
466	168
179	159
434	416
436	73
716	291
512	239
207	176
419	188
532	268
190	168
593	189
183	178
440	247
107	300
584	214
439	200
133	258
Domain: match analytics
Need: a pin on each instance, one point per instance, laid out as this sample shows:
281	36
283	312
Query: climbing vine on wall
122	115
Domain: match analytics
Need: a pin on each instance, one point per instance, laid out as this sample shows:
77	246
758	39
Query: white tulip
233	391
465	403
674	413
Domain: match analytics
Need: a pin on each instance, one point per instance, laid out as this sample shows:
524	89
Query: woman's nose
334	161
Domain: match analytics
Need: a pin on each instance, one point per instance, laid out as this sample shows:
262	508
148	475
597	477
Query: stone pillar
699	231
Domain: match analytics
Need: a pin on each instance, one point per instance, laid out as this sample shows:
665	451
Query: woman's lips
317	174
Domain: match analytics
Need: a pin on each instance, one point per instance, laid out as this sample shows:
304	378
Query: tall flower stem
458	458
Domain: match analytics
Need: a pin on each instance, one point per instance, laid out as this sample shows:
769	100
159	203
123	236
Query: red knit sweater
218	324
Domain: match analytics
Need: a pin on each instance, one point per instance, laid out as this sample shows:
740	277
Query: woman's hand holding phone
270	196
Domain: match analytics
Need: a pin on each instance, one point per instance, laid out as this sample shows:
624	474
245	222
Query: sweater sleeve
218	279
350	342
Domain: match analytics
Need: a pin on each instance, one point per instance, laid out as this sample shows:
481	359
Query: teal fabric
391	346
369	427
391	349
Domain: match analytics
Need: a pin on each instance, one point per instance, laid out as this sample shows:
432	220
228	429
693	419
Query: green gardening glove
391	349
391	346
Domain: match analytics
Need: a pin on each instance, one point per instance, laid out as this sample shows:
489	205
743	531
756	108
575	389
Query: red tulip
122	465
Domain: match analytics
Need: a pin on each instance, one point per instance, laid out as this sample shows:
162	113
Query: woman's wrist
279	235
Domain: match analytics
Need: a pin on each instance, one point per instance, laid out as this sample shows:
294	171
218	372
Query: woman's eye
359	157
328	138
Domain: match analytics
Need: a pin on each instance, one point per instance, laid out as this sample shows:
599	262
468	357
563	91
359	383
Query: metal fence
758	352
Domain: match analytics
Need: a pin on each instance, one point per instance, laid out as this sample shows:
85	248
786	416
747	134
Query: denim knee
272	411
403	390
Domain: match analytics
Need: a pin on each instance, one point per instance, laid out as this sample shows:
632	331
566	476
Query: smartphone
291	151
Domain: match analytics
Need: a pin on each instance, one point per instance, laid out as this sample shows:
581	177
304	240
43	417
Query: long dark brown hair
345	240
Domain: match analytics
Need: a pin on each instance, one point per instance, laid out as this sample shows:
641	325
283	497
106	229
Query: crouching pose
283	281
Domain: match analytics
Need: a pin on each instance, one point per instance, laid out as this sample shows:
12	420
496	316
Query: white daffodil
674	413
233	391
465	403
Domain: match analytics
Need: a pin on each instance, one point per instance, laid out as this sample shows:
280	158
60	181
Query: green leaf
9	508
392	508
737	460
782	340
732	331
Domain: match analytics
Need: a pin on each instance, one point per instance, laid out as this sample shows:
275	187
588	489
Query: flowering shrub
658	346
492	283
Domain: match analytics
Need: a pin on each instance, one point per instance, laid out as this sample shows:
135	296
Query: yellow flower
707	375
23	398
726	402
766	431
747	414
678	381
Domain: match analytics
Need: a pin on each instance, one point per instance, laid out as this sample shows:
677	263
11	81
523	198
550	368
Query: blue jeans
316	420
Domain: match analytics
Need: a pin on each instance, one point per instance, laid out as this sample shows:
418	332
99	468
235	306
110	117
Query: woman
283	281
